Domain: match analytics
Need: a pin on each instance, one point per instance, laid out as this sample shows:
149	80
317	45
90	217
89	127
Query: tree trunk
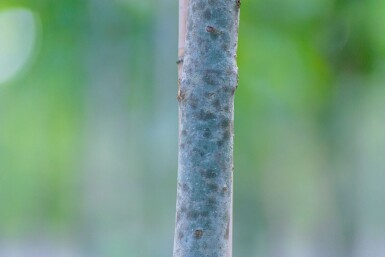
207	81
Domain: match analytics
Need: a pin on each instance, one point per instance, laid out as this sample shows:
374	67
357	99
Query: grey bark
207	84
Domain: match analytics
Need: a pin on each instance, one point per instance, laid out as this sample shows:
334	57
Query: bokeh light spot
18	32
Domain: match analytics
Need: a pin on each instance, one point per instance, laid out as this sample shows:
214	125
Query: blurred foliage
88	130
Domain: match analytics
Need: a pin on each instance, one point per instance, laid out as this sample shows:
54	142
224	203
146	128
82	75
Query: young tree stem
208	78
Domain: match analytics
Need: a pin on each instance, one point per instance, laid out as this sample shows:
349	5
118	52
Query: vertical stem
208	77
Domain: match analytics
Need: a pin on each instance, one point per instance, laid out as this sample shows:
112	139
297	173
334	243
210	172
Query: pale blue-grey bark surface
206	103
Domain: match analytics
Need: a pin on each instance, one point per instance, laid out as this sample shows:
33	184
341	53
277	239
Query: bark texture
208	81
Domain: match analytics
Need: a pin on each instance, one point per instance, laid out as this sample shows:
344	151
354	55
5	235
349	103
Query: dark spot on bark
209	173
209	79
225	123
201	5
183	209
207	133
224	189
211	203
228	89
225	47
185	187
212	187
217	104
192	215
207	14
212	2
206	115
198	233
211	76
226	135
184	132
227	109
209	94
205	214
230	71
177	217
180	235
193	102
220	143
182	145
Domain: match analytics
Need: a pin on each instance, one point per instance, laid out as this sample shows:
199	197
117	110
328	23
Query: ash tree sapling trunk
208	77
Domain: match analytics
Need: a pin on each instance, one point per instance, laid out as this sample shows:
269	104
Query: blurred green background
88	128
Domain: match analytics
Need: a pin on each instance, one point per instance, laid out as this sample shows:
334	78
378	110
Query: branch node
211	29
198	233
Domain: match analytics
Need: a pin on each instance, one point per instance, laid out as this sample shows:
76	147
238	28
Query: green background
88	130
